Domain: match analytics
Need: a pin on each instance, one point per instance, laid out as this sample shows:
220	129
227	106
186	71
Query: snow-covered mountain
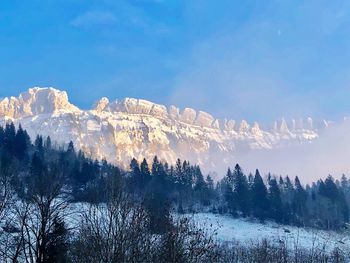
121	130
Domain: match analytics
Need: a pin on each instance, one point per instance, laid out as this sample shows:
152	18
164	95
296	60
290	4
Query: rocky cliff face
121	130
36	101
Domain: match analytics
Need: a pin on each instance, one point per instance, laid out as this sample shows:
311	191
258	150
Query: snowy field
247	231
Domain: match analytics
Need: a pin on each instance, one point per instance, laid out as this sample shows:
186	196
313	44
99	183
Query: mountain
123	129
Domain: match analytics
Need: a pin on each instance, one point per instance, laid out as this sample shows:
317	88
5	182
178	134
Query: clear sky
257	60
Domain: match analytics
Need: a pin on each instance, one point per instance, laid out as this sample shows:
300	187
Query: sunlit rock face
36	101
136	128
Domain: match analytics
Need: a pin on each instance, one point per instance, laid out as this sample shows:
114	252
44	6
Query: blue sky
258	60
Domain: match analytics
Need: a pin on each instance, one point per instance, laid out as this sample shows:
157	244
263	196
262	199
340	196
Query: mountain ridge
123	129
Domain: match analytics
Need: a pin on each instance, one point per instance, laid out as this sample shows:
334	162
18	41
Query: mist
328	155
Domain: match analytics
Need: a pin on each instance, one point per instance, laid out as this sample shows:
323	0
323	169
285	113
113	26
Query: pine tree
299	202
338	211
276	207
48	143
200	187
70	149
36	181
9	138
136	178
287	193
21	144
156	199
145	173
228	191
39	143
37	165
241	191
250	180
289	190
211	188
260	202
178	172
187	176
155	166
229	177
345	188
87	172
2	136
281	183
343	208
330	189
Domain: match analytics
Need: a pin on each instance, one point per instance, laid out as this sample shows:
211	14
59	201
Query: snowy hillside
247	232
121	130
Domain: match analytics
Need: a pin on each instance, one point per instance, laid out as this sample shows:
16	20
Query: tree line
324	204
128	215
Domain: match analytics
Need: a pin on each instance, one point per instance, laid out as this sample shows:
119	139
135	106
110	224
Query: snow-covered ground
248	231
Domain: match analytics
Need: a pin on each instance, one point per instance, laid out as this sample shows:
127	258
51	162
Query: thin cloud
94	18
126	16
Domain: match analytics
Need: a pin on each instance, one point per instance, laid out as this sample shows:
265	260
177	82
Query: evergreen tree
201	190
36	181
281	183
9	138
250	180
2	136
136	178
330	189
178	173
228	191
241	191
70	148
145	173
37	166
299	202
156	200
337	209
187	178
211	187
344	182
21	144
39	144
87	172
276	207
48	143
260	202
134	167
155	166
229	177
343	208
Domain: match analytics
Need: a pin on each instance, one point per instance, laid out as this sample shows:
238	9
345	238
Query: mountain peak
36	101
101	104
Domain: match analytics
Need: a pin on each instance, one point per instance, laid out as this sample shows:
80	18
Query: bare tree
6	189
7	201
37	217
186	242
115	231
6	195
